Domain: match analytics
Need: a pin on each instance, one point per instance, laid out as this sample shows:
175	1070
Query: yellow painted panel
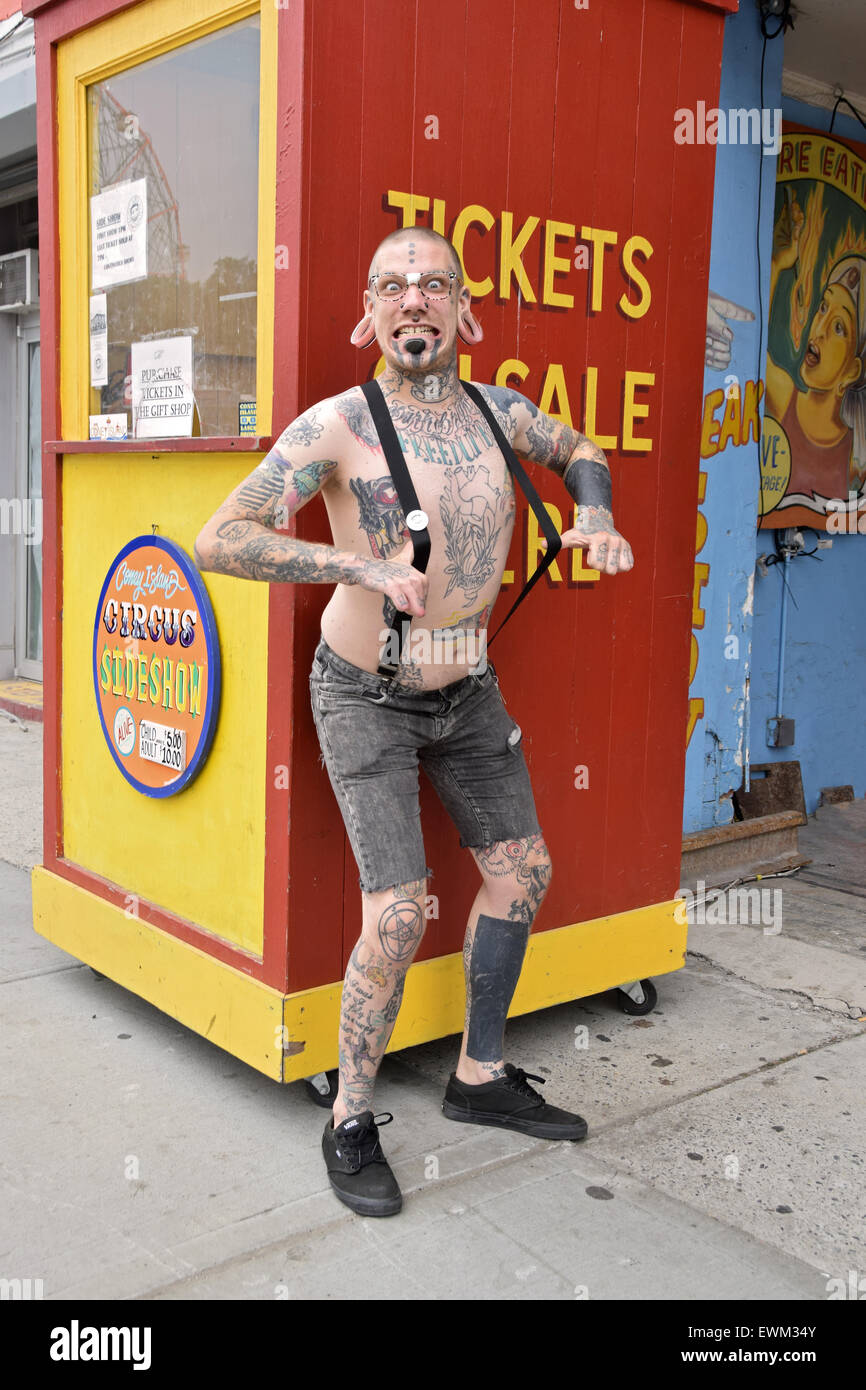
223	1005
567	963
247	1018
200	853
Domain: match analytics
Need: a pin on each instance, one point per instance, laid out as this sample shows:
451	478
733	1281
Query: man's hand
398	580
595	532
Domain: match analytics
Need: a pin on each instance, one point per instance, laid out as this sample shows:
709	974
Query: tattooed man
443	709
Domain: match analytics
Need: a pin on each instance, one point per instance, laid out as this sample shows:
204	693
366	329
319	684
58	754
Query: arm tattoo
550	446
275	492
301	433
356	413
245	548
587	479
579	462
263	488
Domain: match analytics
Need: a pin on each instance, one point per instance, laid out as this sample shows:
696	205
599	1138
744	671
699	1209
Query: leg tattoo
373	992
497	953
516	875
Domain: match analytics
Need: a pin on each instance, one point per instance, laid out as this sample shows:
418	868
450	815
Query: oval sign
156	666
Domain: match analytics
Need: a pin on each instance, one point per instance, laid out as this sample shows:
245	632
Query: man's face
413	316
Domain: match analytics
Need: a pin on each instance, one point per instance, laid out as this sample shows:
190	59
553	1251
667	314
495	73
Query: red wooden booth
538	135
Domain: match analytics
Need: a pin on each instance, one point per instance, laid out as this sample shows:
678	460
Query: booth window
173	238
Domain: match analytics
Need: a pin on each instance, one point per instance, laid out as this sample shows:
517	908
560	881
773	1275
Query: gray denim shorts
373	740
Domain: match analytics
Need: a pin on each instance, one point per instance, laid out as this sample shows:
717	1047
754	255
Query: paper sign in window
118	234
162	397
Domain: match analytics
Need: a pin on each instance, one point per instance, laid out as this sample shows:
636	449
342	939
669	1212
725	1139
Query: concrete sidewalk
724	1160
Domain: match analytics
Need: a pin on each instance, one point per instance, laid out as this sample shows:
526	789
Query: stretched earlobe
363	334
468	328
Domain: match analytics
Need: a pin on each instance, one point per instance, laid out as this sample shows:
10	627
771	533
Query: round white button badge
124	731
417	520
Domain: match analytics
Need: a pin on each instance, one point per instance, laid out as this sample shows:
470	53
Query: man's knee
394	921
535	873
517	870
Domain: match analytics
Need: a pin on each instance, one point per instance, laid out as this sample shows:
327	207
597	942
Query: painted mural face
831	361
398	320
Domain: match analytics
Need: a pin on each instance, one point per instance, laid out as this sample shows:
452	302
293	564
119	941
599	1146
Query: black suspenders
416	519
545	524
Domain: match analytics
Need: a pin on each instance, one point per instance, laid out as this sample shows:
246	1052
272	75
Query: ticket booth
213	179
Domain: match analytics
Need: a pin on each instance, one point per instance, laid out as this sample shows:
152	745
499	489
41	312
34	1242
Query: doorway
28	618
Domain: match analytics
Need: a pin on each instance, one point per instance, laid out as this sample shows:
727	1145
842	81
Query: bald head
404	234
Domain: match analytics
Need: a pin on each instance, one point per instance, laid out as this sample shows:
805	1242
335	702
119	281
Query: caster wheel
628	1005
323	1087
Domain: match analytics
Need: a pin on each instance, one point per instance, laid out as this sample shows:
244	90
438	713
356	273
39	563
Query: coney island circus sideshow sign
156	666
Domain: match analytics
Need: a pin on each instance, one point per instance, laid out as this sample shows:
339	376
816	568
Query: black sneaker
511	1103
357	1169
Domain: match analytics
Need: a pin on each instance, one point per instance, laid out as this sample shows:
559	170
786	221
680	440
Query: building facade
20	356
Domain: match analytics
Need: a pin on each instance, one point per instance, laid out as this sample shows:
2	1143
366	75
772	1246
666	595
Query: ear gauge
363	334
469	330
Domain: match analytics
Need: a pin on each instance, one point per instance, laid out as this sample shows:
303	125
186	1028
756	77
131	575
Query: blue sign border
214	684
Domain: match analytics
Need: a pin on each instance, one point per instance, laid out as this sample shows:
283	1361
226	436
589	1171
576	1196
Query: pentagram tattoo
400	929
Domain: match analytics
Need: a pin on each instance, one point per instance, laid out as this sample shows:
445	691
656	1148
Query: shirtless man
446	714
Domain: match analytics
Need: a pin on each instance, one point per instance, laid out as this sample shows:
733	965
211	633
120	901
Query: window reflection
187	123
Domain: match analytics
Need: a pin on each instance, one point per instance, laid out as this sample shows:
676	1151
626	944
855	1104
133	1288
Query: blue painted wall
825	664
737	611
714	756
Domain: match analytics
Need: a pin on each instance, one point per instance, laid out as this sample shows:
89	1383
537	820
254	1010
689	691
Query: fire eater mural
813	450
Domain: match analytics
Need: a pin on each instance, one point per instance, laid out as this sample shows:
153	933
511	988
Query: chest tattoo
457	435
381	515
474	507
472	510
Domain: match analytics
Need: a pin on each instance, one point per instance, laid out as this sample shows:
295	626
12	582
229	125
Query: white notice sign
159	743
99	340
118	234
162	399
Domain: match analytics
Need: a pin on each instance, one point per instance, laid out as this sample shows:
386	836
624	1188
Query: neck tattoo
434	387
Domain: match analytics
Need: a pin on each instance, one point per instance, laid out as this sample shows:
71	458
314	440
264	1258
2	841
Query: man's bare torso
464	486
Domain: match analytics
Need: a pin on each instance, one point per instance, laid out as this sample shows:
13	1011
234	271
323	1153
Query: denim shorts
373	739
